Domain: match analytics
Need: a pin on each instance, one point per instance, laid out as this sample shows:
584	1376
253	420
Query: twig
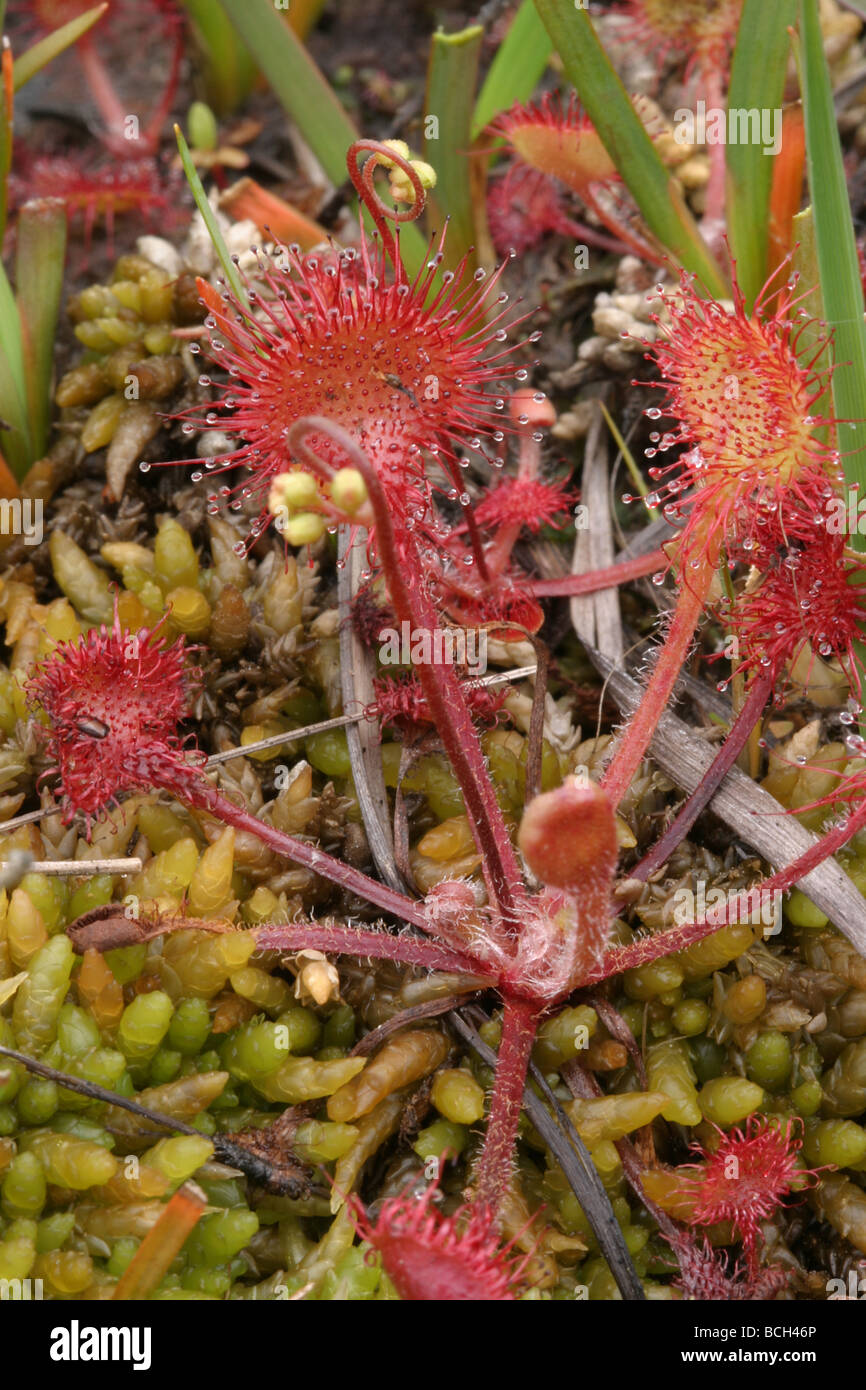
254	1167
275	740
65	868
20	863
356	680
340	721
28	818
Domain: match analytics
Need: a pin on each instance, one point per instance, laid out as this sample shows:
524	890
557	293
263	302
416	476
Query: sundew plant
432	762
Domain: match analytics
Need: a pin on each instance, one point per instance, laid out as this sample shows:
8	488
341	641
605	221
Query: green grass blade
451	79
757	84
226	67
41	53
812	338
10	335
7	118
514	73
204	207
307	98
15	442
39	264
841	288
607	104
296	82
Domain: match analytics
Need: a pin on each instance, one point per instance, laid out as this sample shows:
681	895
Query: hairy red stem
377	945
634	743
439	683
493	1173
832	840
202	794
736	909
595	580
665	943
649	948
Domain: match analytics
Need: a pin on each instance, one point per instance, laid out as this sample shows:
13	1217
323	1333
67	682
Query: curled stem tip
362	176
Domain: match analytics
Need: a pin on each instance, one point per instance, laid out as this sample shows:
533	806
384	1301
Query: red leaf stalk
198	791
667	943
593	581
378	945
102	89
114	112
493	1173
741	728
634	743
441	687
